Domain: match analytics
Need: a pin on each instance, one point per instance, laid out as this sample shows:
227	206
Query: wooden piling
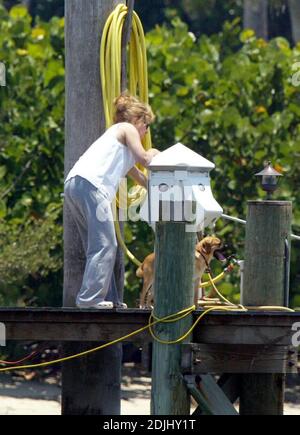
265	282
91	385
174	265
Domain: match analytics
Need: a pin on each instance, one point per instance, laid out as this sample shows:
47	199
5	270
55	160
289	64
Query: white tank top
104	164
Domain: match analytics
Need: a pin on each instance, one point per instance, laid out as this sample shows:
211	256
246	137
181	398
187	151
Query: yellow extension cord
228	306
208	307
110	68
170	318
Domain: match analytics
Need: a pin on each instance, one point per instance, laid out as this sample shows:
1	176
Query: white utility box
179	189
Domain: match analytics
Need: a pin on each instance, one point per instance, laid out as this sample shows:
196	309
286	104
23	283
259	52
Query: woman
90	188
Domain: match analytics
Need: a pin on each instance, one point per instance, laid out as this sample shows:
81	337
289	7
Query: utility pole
294	7
256	17
91	385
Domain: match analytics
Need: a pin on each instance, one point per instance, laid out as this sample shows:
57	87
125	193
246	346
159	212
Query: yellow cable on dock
216	279
170	318
208	307
167	319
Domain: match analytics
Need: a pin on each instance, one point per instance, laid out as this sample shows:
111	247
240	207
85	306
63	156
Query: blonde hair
129	108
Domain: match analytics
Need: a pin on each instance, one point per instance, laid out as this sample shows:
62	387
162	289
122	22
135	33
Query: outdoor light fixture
269	179
179	189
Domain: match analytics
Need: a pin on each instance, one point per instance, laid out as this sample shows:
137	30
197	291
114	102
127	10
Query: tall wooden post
256	17
265	278
90	385
174	265
294	8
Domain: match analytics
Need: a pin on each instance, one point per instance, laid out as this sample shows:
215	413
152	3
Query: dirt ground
42	397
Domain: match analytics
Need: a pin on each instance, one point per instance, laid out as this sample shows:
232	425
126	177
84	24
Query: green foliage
28	253
32	150
202	16
45	9
206	17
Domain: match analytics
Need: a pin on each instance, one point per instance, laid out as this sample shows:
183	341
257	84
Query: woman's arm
138	176
134	144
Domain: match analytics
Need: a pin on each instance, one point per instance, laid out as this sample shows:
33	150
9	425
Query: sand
42	397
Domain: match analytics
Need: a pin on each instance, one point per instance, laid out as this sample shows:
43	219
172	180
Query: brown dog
205	250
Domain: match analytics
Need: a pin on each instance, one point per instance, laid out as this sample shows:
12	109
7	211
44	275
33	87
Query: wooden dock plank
54	324
220	358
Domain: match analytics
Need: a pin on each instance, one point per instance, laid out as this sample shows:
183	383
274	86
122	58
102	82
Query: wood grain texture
268	227
70	324
256	17
262	394
174	265
220	358
92	385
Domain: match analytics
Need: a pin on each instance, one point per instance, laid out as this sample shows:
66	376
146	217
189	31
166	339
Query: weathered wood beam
256	17
230	385
266	282
210	397
173	293
43	324
125	40
100	376
242	358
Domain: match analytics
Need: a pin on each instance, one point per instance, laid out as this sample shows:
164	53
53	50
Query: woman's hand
154	152
139	177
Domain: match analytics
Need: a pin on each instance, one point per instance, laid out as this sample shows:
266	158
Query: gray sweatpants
93	216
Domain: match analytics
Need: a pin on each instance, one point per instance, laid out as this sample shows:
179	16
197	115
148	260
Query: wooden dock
70	324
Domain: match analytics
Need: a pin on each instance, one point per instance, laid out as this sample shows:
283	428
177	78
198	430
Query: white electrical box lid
180	157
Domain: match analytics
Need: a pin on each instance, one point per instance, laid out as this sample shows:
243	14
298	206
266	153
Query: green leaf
3	209
182	91
207	116
54	69
3	171
36	51
247	35
294	108
18	12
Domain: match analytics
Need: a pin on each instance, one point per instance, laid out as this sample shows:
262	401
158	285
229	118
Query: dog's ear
206	247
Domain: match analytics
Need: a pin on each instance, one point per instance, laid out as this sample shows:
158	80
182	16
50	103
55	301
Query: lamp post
269	179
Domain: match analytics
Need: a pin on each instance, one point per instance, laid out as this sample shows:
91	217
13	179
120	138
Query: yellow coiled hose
110	67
